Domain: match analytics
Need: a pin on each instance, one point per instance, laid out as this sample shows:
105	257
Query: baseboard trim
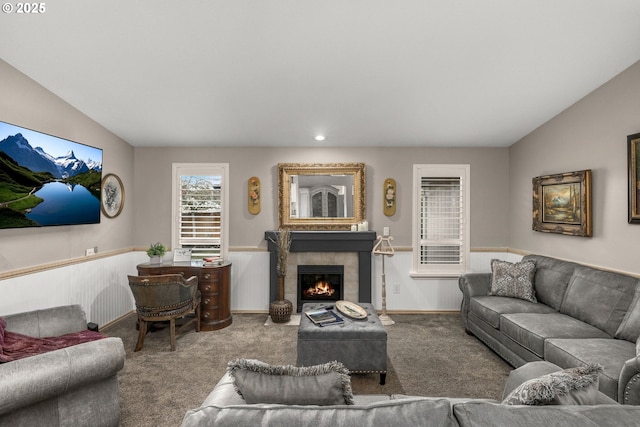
116	321
390	312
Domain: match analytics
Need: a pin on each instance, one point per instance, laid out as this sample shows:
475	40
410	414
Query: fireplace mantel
360	242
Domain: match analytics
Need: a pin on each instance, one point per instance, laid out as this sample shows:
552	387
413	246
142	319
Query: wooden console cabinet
213	282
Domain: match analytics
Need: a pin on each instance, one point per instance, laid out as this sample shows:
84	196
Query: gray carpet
429	355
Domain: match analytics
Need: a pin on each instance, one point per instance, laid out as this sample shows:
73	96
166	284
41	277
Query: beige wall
592	134
25	103
589	135
489	174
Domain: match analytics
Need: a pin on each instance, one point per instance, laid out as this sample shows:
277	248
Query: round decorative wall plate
351	309
112	195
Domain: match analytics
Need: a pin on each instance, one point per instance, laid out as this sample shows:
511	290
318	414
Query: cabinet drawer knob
207	276
206	315
207	301
207	288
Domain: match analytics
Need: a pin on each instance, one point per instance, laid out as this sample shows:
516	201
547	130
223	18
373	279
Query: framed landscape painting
46	180
562	203
633	144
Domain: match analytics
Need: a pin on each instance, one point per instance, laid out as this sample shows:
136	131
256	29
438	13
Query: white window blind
199	209
441	225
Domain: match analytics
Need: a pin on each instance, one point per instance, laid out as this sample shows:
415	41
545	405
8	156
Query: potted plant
156	251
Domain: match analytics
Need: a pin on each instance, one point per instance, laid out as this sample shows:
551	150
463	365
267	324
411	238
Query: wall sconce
253	187
389	197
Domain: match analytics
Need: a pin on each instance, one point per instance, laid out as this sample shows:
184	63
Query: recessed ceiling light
320	138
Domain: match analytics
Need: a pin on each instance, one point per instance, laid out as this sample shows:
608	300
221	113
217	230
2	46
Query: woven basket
280	311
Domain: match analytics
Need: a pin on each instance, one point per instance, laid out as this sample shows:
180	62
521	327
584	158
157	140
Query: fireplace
320	283
317	244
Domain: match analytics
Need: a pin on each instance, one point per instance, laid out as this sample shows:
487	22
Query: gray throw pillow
573	386
258	382
513	280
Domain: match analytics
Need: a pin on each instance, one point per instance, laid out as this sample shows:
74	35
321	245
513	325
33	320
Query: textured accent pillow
258	382
573	386
513	280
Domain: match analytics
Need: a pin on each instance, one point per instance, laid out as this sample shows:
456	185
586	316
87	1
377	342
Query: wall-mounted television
46	180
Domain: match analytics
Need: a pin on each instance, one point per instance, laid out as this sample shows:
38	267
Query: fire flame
321	288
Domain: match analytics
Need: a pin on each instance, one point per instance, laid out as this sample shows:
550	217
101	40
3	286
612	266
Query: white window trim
222	169
441	170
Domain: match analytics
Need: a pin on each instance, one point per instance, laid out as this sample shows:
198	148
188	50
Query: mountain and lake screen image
46	180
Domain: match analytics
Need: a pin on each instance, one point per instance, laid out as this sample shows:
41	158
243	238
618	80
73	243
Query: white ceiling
464	73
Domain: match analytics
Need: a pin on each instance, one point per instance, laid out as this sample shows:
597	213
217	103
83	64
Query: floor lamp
383	247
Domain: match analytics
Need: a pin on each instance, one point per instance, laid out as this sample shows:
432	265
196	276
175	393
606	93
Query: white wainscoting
100	285
405	293
249	281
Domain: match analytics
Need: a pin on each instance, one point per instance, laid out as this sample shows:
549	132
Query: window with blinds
199	209
441	219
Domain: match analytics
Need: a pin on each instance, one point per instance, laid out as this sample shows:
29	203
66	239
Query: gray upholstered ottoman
361	345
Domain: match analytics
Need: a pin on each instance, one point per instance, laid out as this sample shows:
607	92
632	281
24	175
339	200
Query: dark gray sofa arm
472	284
33	379
629	382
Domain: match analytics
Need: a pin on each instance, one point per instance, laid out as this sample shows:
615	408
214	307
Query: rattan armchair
165	297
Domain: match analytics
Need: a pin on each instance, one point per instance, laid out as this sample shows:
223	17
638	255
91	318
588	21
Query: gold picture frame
633	149
290	214
112	195
562	203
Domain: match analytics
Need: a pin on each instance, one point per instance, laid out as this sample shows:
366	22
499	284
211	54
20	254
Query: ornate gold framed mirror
321	196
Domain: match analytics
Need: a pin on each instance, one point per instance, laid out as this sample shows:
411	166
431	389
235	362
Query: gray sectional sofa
73	386
582	315
225	407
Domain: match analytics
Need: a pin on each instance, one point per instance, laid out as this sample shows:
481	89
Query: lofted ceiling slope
462	73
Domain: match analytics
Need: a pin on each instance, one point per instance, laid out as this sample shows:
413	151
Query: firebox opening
317	283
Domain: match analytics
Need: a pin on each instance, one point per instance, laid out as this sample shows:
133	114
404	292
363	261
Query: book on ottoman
324	317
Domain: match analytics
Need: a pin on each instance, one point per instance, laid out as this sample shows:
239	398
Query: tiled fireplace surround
352	249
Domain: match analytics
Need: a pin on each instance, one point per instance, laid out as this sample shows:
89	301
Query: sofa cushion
551	280
629	329
48	322
573	386
530	330
489	308
600	298
258	382
482	414
3	326
610	353
417	411
513	280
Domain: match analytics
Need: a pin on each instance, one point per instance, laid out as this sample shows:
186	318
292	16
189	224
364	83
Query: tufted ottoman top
369	328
